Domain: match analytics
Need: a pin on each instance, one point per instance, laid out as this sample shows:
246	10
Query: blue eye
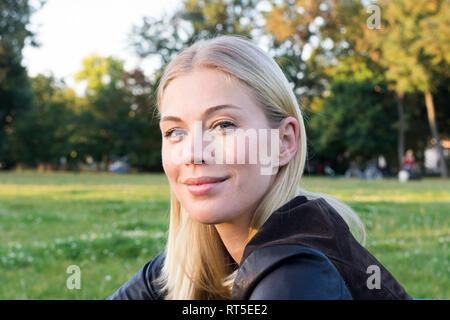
223	126
226	123
169	135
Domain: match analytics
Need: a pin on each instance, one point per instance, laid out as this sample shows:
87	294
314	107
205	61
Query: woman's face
187	118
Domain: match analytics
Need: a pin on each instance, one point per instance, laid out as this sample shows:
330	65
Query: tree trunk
401	131
435	133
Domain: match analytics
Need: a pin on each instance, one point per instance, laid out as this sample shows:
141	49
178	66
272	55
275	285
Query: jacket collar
290	219
317	225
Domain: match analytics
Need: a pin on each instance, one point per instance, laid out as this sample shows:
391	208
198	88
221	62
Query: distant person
354	170
329	171
372	172
235	233
408	163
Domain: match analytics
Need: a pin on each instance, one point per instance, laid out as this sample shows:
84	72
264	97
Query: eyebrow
207	113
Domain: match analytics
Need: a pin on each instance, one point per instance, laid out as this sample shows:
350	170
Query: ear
289	134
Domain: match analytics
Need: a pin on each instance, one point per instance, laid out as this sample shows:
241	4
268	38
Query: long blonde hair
197	265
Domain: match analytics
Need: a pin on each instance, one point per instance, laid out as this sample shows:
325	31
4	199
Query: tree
144	145
15	90
354	121
41	134
414	46
307	38
118	119
104	95
194	20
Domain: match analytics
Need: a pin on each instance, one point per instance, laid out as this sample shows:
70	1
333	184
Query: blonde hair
197	265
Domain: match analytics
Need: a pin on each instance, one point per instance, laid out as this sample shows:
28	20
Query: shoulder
289	272
141	285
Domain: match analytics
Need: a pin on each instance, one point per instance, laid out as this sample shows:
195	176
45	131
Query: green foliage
194	20
414	43
343	73
307	37
14	19
42	132
355	121
15	92
100	73
117	121
414	46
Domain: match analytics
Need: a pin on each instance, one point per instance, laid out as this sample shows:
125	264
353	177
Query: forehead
194	92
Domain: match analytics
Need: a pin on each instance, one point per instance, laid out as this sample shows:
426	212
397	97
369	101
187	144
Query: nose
193	152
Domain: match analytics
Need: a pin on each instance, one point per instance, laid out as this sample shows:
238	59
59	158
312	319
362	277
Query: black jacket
303	251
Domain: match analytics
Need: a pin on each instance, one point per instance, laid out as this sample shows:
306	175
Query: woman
239	228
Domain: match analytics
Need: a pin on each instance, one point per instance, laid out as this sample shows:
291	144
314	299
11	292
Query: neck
234	236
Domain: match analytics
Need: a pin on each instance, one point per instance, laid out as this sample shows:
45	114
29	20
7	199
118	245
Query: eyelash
169	132
223	122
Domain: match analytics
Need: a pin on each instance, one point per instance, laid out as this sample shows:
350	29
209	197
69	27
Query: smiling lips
202	185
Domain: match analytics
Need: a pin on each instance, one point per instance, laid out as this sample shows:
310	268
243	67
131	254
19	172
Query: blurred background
81	180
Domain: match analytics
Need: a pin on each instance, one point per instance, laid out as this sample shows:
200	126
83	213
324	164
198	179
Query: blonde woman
242	228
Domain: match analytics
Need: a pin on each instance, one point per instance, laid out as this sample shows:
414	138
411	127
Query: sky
69	30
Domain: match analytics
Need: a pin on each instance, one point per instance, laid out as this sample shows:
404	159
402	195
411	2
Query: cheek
248	188
240	149
164	158
253	178
170	168
171	171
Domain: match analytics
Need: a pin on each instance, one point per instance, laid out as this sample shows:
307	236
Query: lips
203	180
203	185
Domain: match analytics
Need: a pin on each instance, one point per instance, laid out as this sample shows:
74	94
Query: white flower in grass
134	233
157	235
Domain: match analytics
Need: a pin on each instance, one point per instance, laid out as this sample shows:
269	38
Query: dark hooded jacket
303	251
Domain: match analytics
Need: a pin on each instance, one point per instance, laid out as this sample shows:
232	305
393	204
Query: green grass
111	225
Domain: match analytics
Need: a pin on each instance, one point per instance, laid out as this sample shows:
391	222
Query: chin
207	210
206	217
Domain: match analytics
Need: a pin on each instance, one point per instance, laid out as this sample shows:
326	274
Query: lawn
111	225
